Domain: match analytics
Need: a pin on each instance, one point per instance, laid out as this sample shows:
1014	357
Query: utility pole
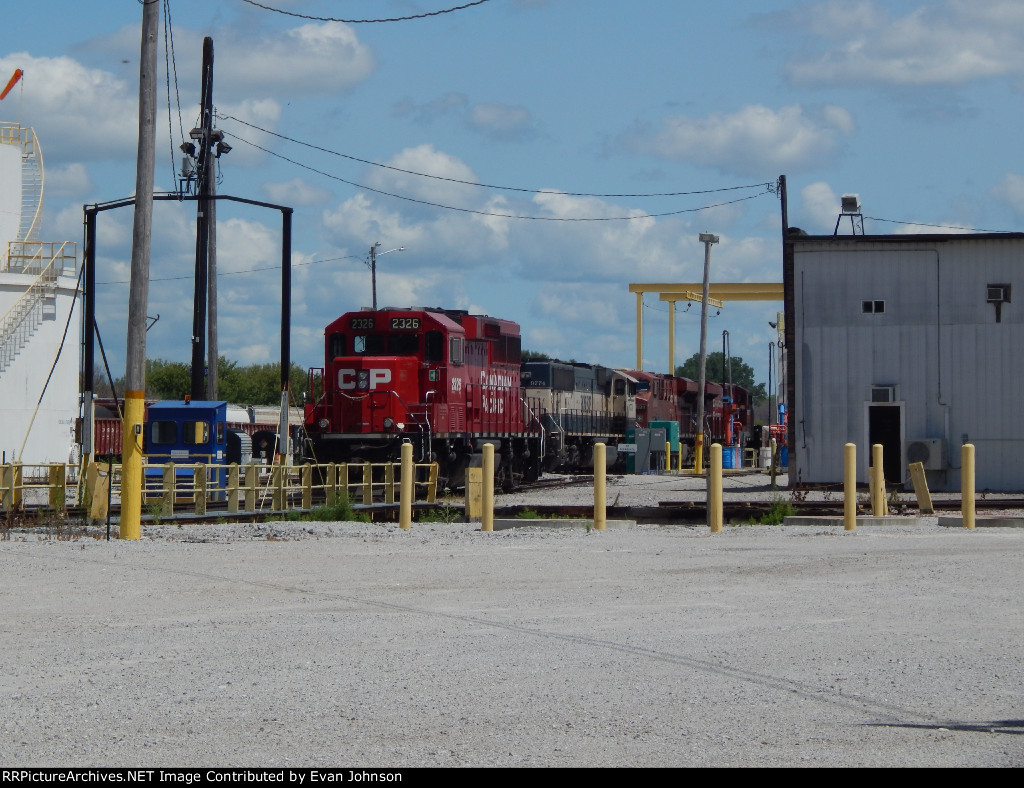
202	135
138	296
698	441
212	373
373	273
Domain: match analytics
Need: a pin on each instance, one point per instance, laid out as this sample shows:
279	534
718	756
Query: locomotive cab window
433	347
368	345
336	346
403	344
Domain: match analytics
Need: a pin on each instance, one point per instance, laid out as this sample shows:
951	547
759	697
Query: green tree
167	379
742	374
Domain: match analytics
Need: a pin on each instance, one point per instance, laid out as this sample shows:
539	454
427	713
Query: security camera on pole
698	441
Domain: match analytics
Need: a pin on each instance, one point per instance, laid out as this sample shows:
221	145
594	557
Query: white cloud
754	141
1010	190
296	191
495	120
78	112
948	43
820	206
313	59
502	121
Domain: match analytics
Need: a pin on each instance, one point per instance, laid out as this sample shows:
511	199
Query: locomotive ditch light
389	423
324	424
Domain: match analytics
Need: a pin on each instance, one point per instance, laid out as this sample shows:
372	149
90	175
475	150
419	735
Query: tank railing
178	487
37	257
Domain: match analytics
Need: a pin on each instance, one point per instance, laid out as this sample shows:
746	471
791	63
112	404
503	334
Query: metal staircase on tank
26	255
22	319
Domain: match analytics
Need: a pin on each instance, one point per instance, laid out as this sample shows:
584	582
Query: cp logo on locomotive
348	378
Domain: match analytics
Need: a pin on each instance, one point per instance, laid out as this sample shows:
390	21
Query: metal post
373	274
850	487
878	506
600	500
698	442
967	484
487	516
405	499
286	321
715	489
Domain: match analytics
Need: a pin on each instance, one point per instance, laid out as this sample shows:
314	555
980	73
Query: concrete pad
957	521
863	520
550	522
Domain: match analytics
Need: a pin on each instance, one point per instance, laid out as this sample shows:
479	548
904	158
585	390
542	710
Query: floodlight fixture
850	203
708	238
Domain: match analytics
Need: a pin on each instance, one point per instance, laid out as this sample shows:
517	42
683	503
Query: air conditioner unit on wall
930	452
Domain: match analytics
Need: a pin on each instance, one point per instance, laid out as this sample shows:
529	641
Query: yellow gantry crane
718	292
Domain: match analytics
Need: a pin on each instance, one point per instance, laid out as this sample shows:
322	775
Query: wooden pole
138	294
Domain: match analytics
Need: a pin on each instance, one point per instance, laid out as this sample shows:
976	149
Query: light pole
698	441
373	268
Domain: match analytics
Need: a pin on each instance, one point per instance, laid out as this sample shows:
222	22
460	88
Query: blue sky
914	106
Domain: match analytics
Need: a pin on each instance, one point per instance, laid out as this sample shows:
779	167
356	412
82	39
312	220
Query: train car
580	405
444	380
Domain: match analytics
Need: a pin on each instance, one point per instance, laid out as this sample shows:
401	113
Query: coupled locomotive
444	380
449	382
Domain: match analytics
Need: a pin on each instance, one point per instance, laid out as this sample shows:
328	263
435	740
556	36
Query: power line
937	226
243	271
494	214
364	21
488	185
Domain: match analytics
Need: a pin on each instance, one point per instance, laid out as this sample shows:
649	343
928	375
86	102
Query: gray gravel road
361	645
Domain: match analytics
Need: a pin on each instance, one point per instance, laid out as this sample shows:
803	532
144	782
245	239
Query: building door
884	427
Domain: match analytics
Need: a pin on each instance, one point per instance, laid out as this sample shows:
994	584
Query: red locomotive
449	382
445	380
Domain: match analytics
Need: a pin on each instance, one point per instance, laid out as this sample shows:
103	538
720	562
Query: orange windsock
13	81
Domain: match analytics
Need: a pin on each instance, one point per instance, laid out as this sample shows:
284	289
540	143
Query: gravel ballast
351	644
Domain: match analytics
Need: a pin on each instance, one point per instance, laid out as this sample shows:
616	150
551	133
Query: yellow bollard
405	492
715	489
698	453
878	506
130	526
679	464
850	487
668	455
487	516
967	484
600	518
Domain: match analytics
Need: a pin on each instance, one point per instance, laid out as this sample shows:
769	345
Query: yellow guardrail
170	487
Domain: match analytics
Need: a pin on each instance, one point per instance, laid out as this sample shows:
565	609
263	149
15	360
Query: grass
337	510
776	514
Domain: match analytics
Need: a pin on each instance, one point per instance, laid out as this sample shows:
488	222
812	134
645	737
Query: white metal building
38	282
912	341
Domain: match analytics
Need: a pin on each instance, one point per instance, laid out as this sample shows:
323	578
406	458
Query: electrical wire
937	226
768	186
243	271
364	21
495	214
171	66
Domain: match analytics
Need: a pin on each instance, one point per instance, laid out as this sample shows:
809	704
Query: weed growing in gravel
445	513
335	510
776	514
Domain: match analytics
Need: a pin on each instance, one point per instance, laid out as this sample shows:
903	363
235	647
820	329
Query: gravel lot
357	645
